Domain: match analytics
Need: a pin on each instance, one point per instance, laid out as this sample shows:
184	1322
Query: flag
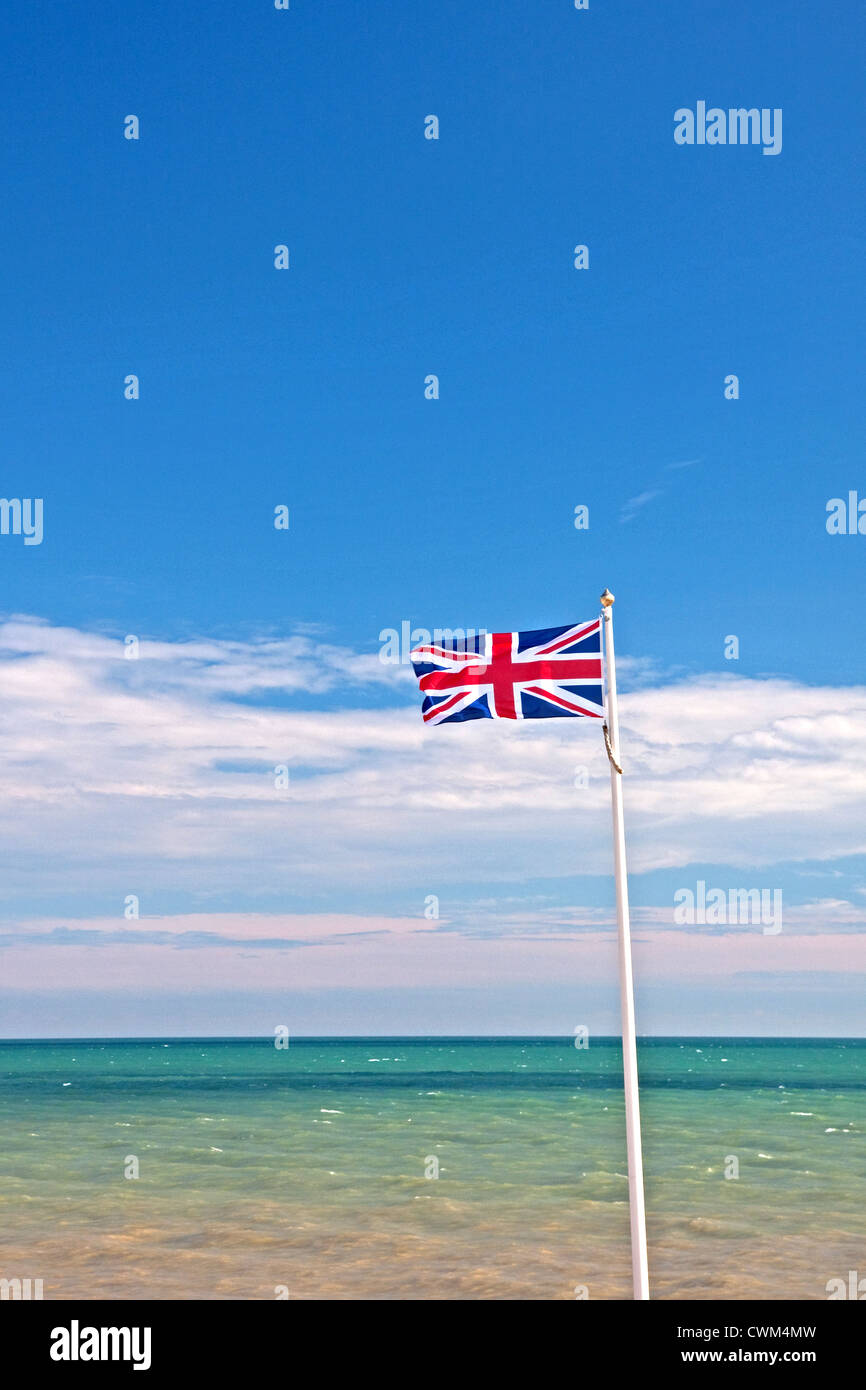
551	672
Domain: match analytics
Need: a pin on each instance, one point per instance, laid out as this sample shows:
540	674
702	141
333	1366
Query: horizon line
434	1037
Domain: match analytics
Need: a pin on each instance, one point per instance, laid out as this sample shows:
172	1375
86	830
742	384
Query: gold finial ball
607	598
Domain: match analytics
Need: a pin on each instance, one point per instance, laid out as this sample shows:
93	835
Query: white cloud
634	504
151	771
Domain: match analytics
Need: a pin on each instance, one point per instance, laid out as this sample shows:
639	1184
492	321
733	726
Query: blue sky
558	387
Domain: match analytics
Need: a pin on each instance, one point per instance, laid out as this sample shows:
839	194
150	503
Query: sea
429	1168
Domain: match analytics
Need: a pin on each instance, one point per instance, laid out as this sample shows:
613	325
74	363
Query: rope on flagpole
613	761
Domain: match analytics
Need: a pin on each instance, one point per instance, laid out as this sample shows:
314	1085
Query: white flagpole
640	1270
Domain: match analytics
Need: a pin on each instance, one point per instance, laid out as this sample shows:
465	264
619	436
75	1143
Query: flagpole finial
607	598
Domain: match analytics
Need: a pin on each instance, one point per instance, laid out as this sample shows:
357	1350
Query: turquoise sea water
305	1168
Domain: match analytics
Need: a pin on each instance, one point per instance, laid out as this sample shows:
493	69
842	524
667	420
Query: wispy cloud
206	953
636	504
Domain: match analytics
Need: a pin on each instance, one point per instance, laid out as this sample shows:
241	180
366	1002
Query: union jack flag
553	672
